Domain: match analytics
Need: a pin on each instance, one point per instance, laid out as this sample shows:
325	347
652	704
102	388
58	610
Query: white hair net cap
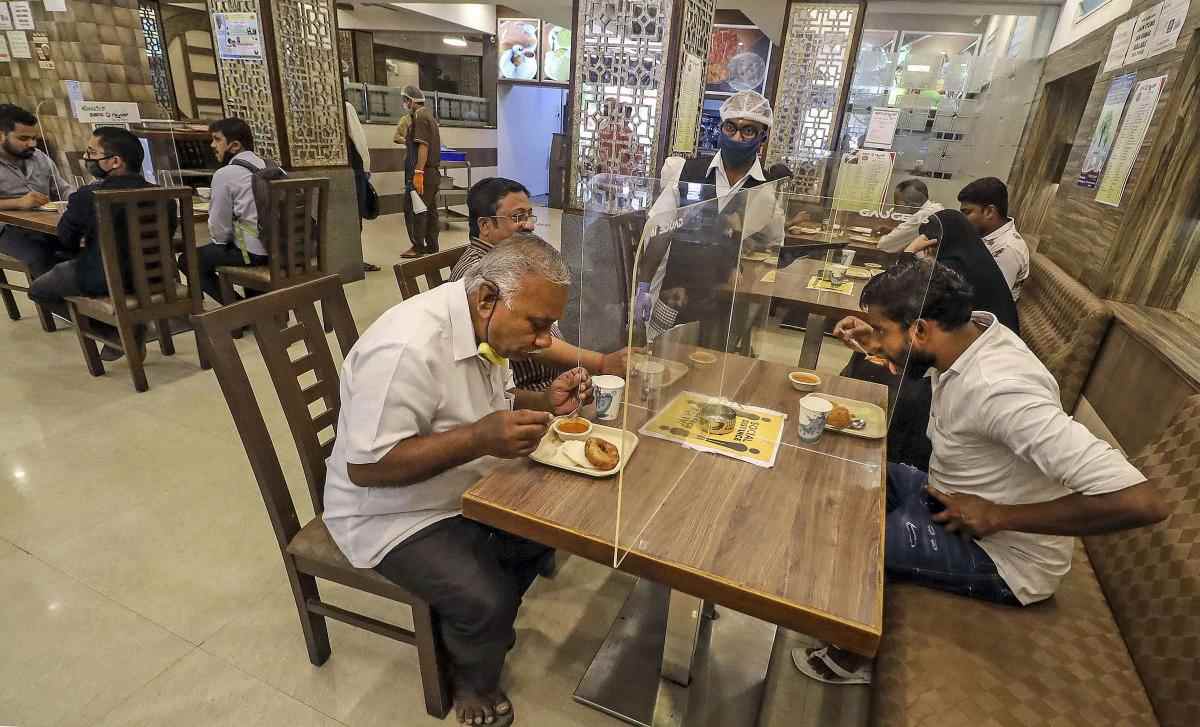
750	105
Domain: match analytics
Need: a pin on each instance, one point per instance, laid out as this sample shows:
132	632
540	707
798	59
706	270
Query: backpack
258	184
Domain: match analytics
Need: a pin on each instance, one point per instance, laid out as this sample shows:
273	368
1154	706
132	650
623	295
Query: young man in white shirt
1012	479
232	212
911	196
427	410
985	203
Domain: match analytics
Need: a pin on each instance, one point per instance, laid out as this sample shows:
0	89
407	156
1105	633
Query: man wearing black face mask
28	180
114	157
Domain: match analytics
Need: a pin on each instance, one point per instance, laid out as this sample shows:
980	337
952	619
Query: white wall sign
108	112
881	129
56	6
1120	46
5	17
18	44
74	95
1170	22
22	15
1139	46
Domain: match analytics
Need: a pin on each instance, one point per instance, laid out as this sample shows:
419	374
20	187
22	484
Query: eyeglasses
746	131
88	155
517	218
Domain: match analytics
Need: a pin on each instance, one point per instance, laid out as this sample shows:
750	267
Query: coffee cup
609	392
814	411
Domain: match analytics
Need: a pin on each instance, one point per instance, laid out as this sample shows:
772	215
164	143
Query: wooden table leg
814	332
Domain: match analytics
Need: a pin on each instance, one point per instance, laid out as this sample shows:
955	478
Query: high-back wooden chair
308	551
154	293
296	224
7	288
430	267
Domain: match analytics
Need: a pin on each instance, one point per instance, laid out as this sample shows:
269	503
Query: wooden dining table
46	221
798	544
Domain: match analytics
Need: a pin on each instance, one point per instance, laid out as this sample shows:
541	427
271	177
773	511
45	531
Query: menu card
1129	140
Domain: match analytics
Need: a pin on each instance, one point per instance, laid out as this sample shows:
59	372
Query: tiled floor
140	583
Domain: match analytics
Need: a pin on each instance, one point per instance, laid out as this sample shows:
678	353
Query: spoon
735	446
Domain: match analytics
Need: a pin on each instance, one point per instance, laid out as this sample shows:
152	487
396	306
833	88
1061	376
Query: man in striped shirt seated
500	208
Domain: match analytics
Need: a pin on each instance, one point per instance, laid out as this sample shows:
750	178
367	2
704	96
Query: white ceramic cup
814	410
609	391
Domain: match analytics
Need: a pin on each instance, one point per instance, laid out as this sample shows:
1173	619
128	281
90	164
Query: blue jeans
918	550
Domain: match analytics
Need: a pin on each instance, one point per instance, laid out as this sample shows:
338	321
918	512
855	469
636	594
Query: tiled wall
96	42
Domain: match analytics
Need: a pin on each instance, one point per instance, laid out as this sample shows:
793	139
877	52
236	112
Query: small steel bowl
717	418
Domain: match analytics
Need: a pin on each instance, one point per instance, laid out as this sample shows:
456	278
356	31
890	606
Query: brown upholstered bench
1118	644
1063	323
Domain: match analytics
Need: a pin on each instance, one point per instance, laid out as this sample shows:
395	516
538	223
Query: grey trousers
32	248
473	577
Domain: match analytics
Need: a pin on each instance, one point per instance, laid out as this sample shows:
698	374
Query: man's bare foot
474	708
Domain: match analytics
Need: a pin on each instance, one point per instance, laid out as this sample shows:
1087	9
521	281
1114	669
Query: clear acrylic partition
722	294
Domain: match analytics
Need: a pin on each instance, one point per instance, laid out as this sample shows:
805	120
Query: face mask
737	152
94	169
488	353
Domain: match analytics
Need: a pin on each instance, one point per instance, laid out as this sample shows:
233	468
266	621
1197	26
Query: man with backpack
238	189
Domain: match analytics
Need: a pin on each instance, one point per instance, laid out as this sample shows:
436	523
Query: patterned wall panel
694	38
246	86
620	68
307	58
816	51
160	73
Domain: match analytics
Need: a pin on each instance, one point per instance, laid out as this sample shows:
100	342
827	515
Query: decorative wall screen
160	74
621	53
816	51
694	37
307	57
246	86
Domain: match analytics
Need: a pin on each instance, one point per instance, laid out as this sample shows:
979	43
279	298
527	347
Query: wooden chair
297	223
157	295
7	262
309	552
430	267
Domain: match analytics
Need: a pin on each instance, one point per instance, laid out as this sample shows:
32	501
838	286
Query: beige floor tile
369	679
190	561
70	654
204	691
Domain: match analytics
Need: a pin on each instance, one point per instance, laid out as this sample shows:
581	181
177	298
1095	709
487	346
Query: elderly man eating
427	409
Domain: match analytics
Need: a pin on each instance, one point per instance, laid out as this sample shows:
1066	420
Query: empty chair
430	267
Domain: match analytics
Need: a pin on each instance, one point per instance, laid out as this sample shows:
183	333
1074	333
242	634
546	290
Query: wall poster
18	44
556	53
5	17
517	43
1139	46
738	59
22	15
41	50
1106	130
237	36
1129	141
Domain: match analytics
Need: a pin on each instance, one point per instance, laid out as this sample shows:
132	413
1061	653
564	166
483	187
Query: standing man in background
359	154
28	180
422	168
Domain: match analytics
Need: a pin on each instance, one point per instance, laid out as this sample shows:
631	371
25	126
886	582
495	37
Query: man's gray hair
521	255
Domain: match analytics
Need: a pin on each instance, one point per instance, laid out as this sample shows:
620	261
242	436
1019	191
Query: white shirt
415	372
907	231
232	214
1011	253
357	136
723	186
999	432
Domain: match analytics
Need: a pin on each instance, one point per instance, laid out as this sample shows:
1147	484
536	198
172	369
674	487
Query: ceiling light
456	41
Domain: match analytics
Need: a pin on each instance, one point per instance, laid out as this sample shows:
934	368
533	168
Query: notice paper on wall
237	36
5	17
881	129
22	15
1170	23
1106	130
41	49
862	180
74	95
5	56
1129	140
689	97
18	44
1120	46
56	6
1143	30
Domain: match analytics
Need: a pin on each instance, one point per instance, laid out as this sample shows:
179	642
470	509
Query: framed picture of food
556	53
517	41
738	59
